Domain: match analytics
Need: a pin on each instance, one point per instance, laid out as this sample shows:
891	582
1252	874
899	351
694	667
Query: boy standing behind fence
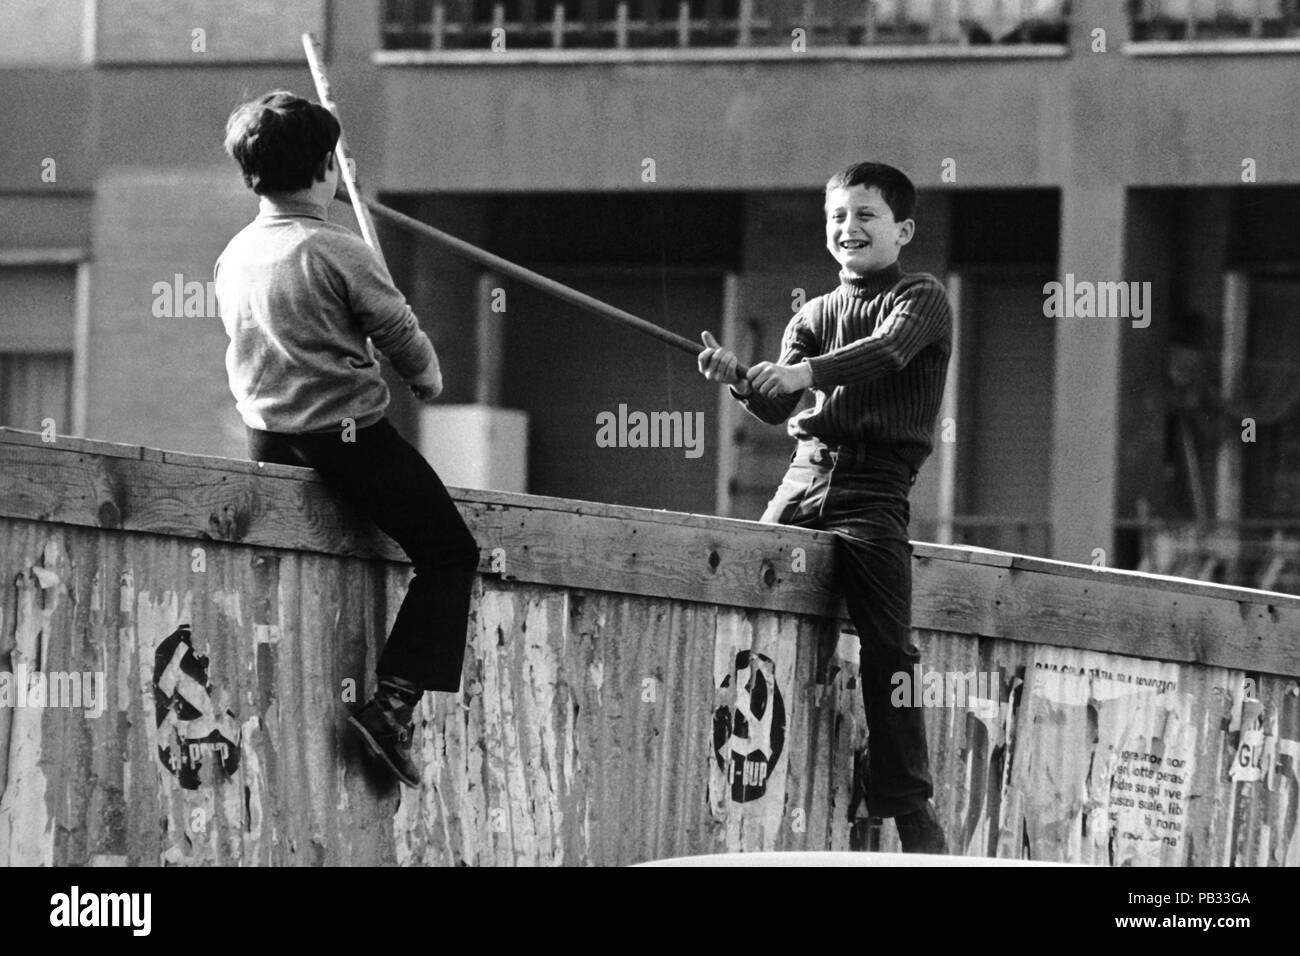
875	353
299	298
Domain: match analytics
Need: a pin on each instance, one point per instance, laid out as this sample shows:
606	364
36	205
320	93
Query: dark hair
894	186
281	141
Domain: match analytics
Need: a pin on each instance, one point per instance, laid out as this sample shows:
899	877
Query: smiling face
860	229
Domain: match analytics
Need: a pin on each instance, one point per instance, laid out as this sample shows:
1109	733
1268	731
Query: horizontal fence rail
436	25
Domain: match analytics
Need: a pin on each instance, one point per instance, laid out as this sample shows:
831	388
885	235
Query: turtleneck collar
871	284
289	206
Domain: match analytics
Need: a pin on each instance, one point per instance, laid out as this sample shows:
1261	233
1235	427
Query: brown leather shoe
921	832
388	740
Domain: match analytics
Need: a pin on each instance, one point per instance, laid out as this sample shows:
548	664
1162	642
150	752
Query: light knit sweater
302	299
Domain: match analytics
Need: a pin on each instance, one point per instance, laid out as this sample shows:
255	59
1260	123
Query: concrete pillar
1086	406
1085	422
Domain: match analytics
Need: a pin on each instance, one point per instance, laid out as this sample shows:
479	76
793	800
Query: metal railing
436	25
1189	20
1261	553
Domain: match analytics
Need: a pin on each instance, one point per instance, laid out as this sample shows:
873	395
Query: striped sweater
878	348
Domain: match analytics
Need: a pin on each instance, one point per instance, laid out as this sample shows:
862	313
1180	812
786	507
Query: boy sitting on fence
875	353
300	297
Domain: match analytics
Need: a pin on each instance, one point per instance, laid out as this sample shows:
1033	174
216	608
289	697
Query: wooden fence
181	638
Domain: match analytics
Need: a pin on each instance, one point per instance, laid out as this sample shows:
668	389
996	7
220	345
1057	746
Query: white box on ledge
476	446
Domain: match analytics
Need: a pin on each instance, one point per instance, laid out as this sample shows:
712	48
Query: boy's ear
324	167
906	229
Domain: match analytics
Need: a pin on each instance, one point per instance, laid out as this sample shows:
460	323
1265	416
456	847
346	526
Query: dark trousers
388	481
861	496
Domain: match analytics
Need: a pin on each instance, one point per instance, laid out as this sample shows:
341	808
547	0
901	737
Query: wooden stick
347	171
528	277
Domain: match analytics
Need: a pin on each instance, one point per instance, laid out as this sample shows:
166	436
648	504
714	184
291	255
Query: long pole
347	171
536	280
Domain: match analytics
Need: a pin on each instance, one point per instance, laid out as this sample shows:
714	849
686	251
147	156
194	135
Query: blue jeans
860	494
389	482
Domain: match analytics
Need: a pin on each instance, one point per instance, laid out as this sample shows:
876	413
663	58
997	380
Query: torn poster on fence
1111	753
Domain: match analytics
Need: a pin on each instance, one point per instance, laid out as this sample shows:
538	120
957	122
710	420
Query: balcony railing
1261	553
436	25
1192	20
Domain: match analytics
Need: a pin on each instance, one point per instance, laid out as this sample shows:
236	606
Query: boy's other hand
425	393
428	385
771	380
716	363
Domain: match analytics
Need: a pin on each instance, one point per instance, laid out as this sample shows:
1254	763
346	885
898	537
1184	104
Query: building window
37	334
631	24
1188	20
36	387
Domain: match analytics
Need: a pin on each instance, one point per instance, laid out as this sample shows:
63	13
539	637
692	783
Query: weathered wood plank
19	436
744	569
634	555
109	449
79	488
26	838
1107	616
1140	579
685	700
